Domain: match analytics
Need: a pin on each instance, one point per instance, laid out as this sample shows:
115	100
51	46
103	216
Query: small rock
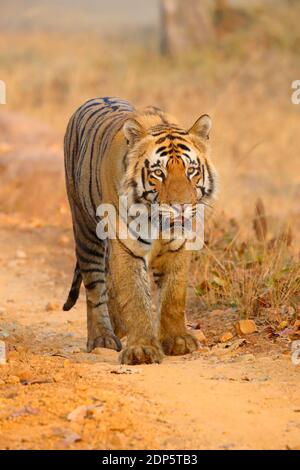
245	327
21	254
204	350
78	414
227	336
51	306
84	411
71	438
25	410
263	378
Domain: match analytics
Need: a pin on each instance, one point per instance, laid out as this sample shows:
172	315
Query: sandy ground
54	395
245	399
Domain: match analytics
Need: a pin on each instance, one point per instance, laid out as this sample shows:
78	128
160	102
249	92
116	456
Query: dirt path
246	399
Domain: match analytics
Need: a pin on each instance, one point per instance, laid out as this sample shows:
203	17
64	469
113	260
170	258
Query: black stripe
88	251
210	179
98	304
93	270
132	254
93	284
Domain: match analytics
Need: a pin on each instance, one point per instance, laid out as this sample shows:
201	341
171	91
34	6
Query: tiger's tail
75	288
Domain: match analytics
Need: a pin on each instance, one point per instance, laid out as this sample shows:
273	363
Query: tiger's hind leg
90	253
99	327
170	272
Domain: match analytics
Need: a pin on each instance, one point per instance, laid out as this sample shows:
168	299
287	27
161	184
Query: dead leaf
245	327
227	336
282	325
202	288
271	332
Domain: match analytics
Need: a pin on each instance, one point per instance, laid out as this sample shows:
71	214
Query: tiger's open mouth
177	217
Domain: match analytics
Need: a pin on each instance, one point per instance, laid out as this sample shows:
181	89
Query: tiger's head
166	164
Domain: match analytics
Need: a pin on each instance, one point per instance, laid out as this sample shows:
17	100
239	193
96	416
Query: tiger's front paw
179	345
109	341
141	354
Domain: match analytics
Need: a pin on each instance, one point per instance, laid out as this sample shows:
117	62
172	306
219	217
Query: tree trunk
185	24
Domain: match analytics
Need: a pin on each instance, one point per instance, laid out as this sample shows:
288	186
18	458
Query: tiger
111	150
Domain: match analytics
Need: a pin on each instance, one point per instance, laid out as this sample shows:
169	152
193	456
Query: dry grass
257	276
245	84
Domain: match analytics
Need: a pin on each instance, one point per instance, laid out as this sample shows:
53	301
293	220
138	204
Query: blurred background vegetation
233	59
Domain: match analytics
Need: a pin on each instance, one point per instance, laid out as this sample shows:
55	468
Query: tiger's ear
133	131
202	127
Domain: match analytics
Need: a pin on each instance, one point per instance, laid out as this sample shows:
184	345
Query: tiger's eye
158	173
190	171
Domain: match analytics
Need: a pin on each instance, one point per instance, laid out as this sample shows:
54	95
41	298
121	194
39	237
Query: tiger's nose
177	191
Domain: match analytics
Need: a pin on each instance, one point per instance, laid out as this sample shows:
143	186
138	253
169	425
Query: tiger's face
168	165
